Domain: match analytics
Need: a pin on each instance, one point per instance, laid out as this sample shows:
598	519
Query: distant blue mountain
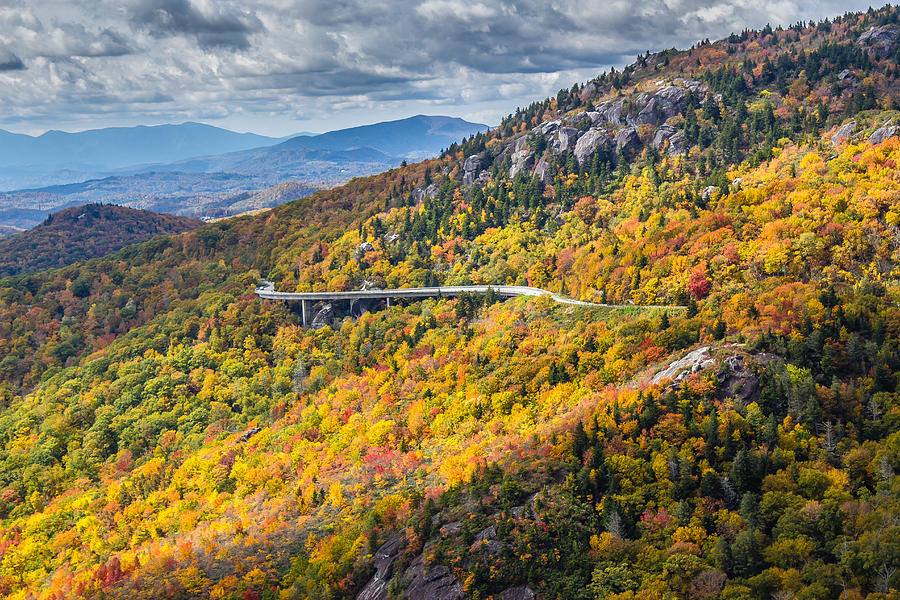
117	147
415	137
199	183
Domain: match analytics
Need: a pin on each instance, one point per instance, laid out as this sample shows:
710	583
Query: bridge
266	290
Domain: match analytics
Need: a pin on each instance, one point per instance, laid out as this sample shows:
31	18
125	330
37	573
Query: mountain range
202	186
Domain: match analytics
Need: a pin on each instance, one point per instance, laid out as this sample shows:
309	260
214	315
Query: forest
165	433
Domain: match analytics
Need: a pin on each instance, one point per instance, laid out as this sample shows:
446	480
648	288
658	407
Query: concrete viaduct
267	291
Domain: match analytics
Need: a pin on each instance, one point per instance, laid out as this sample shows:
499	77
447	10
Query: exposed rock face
521	159
542	171
432	583
248	434
883	133
522	592
576	119
627	140
364	247
671	100
547	128
651	114
589	143
377	588
488	533
564	140
847	76
594	116
844	132
880	41
698	88
471	168
611	112
662	135
739	382
451	528
419	194
708	192
692	362
324	317
677	143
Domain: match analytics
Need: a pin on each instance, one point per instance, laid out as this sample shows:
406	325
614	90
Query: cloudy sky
281	66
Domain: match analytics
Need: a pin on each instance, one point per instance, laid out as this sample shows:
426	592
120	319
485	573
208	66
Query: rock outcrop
611	112
542	171
521	159
419	194
884	132
692	362
435	582
564	140
471	167
521	592
592	140
880	41
627	140
324	317
662	135
385	557
844	132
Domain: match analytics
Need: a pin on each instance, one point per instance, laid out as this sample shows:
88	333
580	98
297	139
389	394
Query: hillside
167	434
83	232
195	195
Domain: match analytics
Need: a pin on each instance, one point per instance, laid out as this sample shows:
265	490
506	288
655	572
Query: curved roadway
267	291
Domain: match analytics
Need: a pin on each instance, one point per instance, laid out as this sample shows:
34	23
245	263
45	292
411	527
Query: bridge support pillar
303	309
388	301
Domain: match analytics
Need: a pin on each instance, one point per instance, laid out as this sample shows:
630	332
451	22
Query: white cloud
277	66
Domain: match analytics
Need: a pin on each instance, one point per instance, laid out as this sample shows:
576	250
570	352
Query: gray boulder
880	41
611	111
594	116
844	132
324	317
521	159
693	362
627	140
548	127
670	99
564	140
521	592
677	143
385	556
697	88
589	143
432	583
450	528
542	171
364	247
847	76
651	114
662	135
471	167
488	533
738	381
884	132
